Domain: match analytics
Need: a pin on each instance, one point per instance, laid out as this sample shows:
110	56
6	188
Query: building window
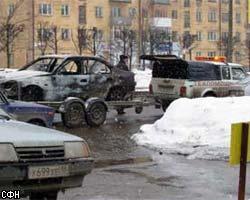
224	36
238	18
225	17
198	2
211	53
237	37
65	34
116	12
198	53
186	19
82	14
45	9
212	17
174	14
98	12
212	36
198	16
65	10
199	35
11	9
237	1
132	12
186	3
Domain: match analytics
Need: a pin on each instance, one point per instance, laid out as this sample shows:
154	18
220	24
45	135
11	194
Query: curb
111	162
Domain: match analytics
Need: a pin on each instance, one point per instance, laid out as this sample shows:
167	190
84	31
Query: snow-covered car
56	77
27	111
38	162
173	78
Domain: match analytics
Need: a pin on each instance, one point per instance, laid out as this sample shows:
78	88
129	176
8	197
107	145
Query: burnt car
56	77
28	112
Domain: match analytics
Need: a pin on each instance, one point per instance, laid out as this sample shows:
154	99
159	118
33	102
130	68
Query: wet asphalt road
168	177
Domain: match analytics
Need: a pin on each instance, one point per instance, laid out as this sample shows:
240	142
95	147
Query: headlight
76	150
8	153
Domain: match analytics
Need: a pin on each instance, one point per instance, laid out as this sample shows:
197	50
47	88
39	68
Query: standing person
123	63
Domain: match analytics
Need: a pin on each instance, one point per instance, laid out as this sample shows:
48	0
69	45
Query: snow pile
198	128
142	79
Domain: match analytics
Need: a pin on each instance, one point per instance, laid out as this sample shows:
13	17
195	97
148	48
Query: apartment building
205	20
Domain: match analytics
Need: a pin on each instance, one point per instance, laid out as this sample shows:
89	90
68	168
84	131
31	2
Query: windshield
44	64
4	115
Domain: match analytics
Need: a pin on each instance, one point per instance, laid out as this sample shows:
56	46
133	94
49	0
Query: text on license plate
41	172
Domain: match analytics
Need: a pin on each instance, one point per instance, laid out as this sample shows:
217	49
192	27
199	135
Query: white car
38	162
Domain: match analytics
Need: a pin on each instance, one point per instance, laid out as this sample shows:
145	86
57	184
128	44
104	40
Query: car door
100	78
71	79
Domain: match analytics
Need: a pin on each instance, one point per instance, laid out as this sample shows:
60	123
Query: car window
238	74
71	67
96	67
202	71
44	64
225	72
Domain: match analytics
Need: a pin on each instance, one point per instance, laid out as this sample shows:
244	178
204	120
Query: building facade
56	26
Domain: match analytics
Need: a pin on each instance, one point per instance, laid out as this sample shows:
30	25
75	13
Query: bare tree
10	29
47	37
87	39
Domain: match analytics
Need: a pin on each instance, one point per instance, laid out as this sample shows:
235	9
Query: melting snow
198	128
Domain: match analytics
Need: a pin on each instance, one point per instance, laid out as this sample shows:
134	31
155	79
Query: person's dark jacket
122	65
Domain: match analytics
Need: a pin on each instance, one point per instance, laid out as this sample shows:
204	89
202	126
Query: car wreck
56	77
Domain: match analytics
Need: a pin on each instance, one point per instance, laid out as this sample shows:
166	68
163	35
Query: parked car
28	112
173	77
38	161
56	77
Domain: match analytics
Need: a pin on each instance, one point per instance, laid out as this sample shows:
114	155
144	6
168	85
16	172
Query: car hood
21	74
26	135
30	105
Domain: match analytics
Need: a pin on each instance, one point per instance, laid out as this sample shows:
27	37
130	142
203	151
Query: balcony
121	21
120	1
166	2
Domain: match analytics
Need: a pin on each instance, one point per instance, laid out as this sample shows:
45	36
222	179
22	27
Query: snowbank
199	128
142	79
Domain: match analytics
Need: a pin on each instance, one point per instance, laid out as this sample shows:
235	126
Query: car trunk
169	76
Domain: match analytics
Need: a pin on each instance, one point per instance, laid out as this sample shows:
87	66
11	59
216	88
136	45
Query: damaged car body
56	77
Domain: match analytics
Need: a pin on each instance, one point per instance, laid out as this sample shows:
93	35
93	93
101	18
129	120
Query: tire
74	115
165	105
32	93
116	94
37	123
209	94
44	196
96	114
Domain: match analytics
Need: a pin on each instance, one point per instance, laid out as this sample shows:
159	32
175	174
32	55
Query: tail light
150	89
183	91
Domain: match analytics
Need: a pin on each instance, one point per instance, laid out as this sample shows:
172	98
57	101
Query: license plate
41	172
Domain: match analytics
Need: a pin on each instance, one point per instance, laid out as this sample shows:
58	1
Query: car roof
208	62
64	56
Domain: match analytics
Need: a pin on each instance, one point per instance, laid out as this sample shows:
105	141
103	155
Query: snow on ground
142	79
198	128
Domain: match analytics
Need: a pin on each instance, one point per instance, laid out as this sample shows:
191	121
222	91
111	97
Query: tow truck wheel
96	114
44	196
165	105
74	115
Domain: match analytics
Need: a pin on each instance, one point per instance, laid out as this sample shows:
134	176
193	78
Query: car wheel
165	105
37	123
209	94
74	115
96	114
44	196
116	94
32	93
